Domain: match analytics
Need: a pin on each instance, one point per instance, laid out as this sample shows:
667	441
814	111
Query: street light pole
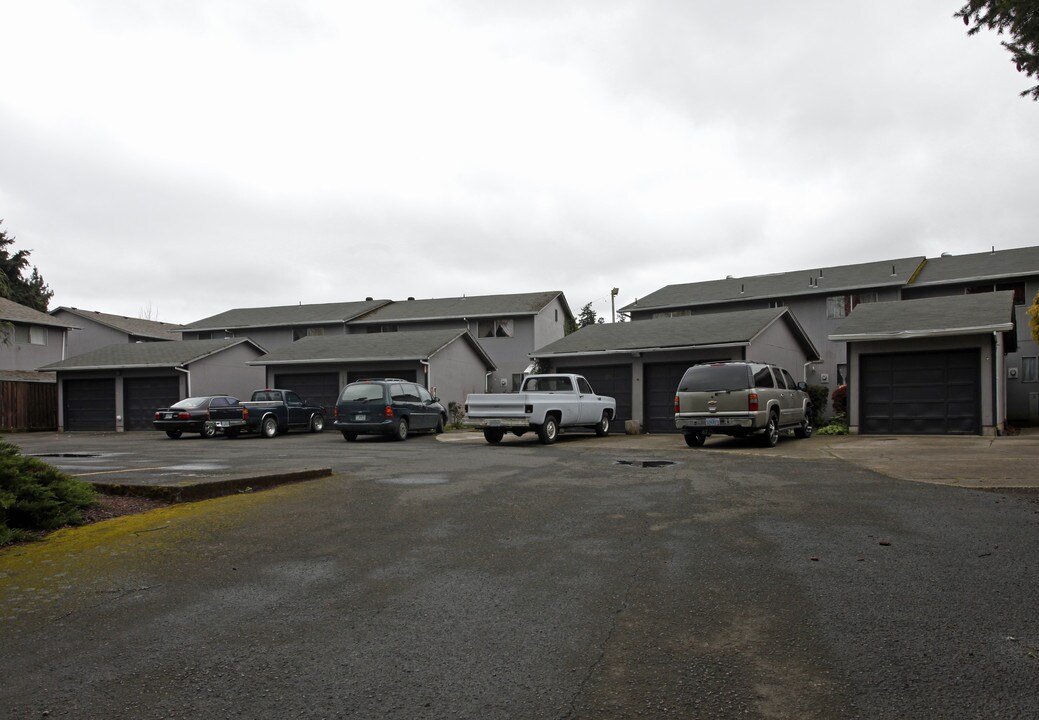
613	312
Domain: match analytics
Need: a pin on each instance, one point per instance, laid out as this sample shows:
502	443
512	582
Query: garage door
89	404
936	393
316	388
661	384
142	396
615	381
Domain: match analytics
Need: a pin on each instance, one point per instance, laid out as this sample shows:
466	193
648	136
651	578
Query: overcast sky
174	159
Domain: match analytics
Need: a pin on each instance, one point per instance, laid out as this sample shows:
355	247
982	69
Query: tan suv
739	399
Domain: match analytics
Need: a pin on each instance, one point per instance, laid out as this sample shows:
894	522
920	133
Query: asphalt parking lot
614	577
194	467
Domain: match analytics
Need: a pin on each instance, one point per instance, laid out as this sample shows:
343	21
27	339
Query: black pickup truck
273	411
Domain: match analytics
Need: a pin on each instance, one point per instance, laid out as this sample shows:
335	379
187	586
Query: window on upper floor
30	334
776	303
1018	288
1030	369
839	306
372	329
494	328
300	333
671	313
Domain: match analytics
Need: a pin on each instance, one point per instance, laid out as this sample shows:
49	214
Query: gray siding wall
549	324
90	336
18	355
227	372
511	355
457	371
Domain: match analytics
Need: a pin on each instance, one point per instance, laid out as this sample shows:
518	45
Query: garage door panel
89	404
316	388
141	397
661	383
612	380
921	393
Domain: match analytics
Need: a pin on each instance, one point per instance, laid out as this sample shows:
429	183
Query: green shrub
37	496
838	425
818	394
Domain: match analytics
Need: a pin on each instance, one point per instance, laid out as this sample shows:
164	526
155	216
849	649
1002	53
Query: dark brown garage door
142	396
933	393
89	404
613	380
316	388
659	395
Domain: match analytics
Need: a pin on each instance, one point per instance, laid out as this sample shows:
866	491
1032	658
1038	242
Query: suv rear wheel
402	430
770	437
805	429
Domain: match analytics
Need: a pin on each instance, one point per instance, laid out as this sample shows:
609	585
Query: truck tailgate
503	406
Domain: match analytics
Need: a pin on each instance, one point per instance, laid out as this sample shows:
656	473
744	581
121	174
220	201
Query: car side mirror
802	386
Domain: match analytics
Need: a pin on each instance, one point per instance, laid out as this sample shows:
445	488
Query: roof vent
410	299
728	277
946	254
893	273
820	272
369	298
741	289
993	249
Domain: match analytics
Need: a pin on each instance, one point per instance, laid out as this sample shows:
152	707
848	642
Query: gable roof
735	328
176	353
480	306
16	312
138	327
408	345
285	315
994	265
812	281
981	313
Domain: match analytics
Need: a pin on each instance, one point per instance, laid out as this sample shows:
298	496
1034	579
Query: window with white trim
839	306
494	328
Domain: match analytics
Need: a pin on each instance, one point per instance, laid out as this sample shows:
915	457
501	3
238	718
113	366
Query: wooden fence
28	406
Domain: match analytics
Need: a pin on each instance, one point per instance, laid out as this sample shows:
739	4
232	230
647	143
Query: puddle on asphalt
433	479
646	463
68	455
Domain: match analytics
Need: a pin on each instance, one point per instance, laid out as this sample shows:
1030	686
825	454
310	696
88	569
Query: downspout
805	369
487	381
187	377
1000	385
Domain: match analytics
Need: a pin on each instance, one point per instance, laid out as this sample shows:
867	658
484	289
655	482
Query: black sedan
203	415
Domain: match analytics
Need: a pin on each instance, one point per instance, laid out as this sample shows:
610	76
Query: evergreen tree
587	316
32	291
1019	21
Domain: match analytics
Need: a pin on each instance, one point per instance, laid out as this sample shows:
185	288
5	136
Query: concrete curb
215	488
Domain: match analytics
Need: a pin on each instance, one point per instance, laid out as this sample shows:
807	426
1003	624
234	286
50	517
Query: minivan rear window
362	392
712	378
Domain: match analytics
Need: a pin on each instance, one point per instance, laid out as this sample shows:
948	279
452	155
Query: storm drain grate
646	463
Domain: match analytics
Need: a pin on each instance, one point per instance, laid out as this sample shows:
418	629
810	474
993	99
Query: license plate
714	421
360	418
223	423
169	416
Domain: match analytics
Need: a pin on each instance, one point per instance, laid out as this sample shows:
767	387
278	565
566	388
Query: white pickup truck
544	404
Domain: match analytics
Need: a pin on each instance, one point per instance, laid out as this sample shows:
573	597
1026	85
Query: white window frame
1029	369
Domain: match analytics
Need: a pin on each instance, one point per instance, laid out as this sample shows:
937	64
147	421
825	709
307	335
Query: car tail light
389	411
245	413
678	407
752	402
183	416
335	413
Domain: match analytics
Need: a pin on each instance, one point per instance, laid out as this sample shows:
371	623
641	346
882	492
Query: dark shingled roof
811	281
138	327
464	307
994	265
951	315
417	345
712	330
15	312
147	354
285	315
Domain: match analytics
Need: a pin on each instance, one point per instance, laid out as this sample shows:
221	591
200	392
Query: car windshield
190	403
714	378
362	392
